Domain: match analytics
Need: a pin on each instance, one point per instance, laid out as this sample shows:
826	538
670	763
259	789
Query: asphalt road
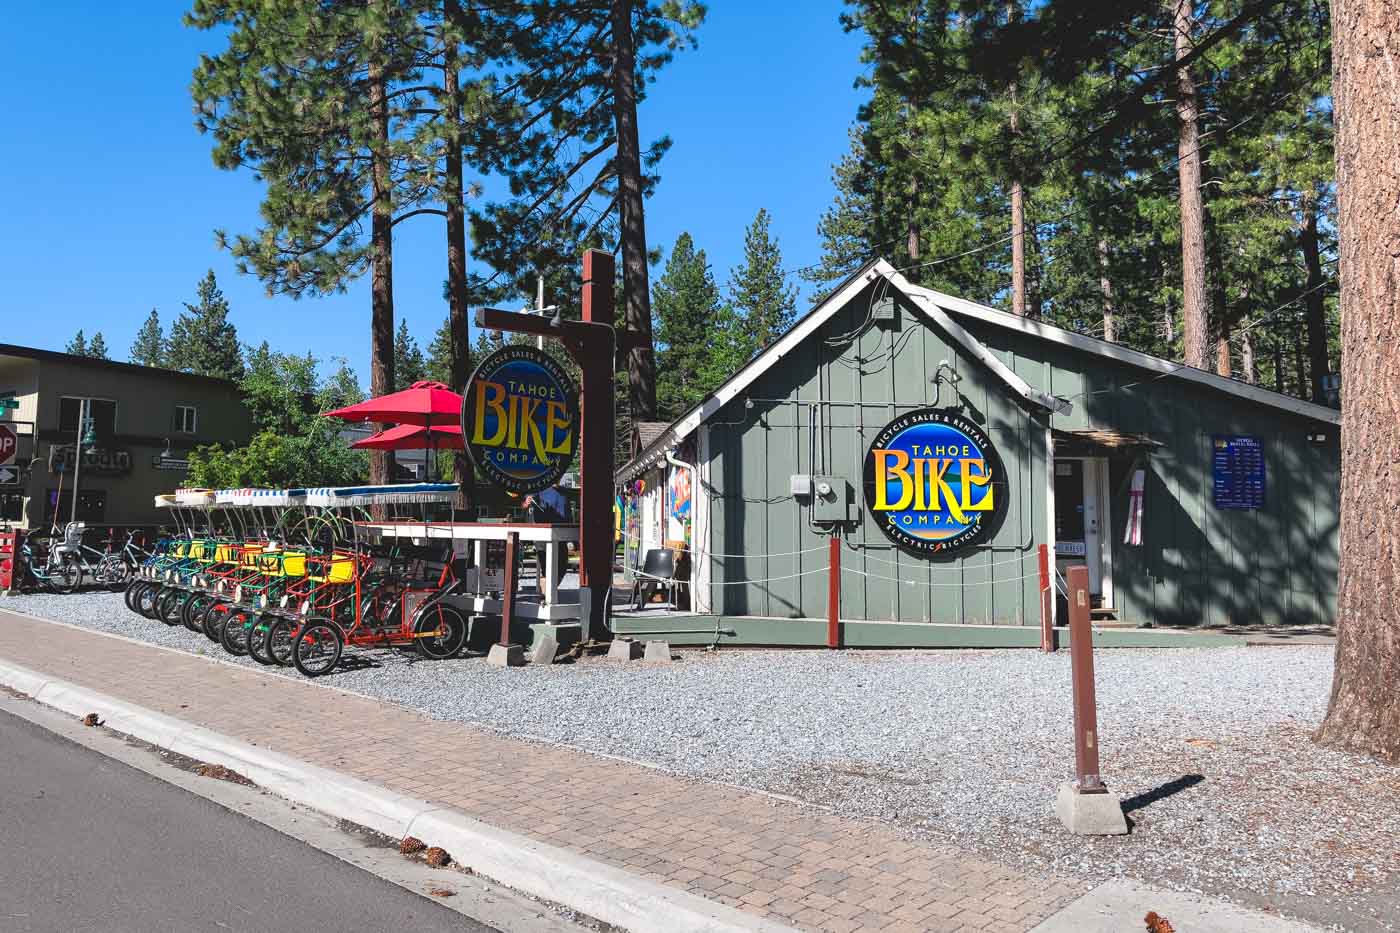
90	844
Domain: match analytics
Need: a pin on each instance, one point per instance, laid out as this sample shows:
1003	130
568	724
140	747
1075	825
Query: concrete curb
1119	905
586	885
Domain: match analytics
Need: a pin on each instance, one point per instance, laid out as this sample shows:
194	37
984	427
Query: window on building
11	506
186	419
92	505
103	413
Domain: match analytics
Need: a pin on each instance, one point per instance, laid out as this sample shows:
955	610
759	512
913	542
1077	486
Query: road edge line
587	885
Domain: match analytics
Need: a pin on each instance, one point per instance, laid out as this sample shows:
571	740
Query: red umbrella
423	403
414	437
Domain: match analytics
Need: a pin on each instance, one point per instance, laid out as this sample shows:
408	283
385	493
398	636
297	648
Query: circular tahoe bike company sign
934	483
520	419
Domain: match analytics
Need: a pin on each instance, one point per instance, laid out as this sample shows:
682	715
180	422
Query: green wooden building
1193	499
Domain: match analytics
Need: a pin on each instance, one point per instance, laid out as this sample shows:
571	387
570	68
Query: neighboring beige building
146	421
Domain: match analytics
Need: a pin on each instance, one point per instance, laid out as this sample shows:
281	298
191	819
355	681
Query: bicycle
39	571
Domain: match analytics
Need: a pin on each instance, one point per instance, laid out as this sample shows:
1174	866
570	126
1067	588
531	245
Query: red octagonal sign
9	443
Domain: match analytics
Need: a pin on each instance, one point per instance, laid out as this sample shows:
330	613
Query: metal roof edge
655	452
57	356
977	348
939	307
1123	354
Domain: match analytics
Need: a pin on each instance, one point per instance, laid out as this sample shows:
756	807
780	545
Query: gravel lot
1209	748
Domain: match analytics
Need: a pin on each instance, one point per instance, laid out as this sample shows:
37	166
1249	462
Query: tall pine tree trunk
641	361
1316	313
1247	361
1193	237
381	363
1110	317
1300	365
911	238
1278	364
1220	303
454	195
1364	713
1018	250
1018	203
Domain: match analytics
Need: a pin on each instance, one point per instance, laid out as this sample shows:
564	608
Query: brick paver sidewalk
789	863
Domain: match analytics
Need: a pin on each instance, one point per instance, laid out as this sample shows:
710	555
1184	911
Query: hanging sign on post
934	483
520	419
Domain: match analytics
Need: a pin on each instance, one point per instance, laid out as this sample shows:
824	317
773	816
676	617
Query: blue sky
112	196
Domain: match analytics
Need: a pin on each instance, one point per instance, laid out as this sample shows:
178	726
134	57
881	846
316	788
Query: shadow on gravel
1185	782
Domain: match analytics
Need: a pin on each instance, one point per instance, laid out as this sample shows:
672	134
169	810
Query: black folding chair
658	571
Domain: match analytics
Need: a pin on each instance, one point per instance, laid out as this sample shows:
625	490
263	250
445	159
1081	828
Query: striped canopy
194	497
255	497
398	494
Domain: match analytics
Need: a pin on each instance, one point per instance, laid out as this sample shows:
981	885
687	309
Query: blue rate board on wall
1237	465
934	482
519	417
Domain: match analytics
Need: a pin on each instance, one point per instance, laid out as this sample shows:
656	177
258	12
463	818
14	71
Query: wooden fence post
1047	602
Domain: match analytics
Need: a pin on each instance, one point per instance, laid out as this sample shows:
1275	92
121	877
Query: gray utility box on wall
831	499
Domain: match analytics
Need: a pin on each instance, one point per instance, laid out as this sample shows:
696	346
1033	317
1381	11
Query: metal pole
78	459
833	594
1081	656
508	592
1047	602
539	305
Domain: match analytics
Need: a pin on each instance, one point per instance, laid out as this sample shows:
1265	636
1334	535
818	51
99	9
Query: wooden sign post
1084	805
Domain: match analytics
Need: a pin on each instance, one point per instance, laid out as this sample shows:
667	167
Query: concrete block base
1090	814
543	650
506	656
563	633
658	651
622	649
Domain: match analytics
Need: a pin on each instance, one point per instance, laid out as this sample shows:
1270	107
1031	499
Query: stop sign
9	443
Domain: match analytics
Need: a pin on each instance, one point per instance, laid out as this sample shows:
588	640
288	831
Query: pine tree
97	347
1363	714
697	347
409	366
438	365
567	124
758	289
202	339
1098	150
149	346
77	346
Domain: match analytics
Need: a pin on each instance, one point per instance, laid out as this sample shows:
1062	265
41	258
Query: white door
1093	541
1082	523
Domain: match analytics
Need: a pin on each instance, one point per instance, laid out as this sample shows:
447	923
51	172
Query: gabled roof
943	310
648	431
54	356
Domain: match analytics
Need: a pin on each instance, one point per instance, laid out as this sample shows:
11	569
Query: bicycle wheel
281	636
65	576
213	619
133	592
439	632
193	610
255	639
146	602
317	648
235	636
114	572
171	602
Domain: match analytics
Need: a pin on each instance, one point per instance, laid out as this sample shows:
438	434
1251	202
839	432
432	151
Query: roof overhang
944	311
1163	368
